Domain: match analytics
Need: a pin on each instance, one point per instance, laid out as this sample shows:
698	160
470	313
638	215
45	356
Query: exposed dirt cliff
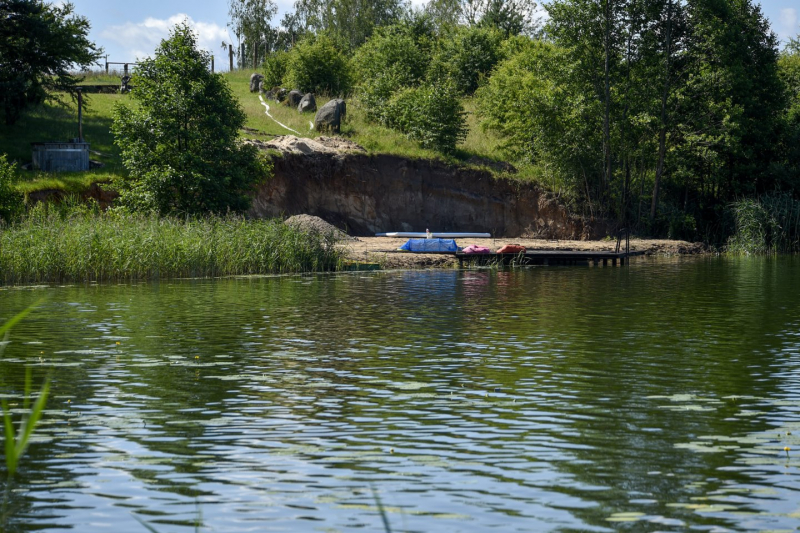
380	193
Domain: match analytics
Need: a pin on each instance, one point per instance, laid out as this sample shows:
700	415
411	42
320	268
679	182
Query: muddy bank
383	250
99	192
372	193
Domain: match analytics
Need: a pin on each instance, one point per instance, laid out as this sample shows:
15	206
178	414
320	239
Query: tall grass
83	246
767	225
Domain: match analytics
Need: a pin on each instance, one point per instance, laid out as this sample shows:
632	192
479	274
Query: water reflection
533	400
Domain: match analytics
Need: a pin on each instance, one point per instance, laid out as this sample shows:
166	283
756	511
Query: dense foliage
10	199
40	44
180	142
466	57
657	112
389	61
789	162
316	65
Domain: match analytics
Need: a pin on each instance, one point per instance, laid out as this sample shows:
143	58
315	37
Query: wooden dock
548	257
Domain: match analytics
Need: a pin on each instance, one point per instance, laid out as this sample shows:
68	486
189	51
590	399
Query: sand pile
301	145
310	223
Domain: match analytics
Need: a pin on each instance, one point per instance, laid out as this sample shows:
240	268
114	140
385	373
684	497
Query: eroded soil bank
367	194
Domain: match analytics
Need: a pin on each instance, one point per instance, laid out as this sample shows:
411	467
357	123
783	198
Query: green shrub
274	68
315	65
430	114
10	199
466	57
389	61
180	143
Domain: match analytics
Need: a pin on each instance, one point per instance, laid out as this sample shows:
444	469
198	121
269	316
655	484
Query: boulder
329	116
255	80
293	98
308	104
280	93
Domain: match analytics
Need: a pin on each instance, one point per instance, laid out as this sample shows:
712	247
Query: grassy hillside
51	122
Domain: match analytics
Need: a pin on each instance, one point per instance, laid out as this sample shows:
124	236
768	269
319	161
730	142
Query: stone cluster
328	118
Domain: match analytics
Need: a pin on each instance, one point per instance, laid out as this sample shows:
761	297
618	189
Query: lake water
653	397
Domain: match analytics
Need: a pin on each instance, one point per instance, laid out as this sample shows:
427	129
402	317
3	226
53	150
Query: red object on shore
476	249
511	249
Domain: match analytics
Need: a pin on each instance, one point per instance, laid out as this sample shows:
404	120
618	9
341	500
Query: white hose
273	118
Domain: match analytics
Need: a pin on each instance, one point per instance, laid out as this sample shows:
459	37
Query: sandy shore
383	250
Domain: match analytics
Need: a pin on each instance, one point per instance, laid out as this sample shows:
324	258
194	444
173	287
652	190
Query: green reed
48	246
16	442
770	224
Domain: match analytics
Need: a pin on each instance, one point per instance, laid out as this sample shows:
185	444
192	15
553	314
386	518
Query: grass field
52	122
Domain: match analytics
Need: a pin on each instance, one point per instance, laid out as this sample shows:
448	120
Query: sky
132	29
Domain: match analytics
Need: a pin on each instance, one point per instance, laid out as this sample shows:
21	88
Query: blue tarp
430	245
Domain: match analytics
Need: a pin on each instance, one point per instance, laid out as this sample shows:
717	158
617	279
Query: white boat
435	235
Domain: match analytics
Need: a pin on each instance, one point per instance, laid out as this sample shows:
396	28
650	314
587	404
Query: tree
349	22
512	17
250	23
789	65
180	143
39	44
554	129
731	101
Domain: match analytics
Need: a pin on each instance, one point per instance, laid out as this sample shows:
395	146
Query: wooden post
80	116
230	55
126	69
106	63
212	64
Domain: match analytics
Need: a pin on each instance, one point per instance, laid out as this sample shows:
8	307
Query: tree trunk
607	110
662	133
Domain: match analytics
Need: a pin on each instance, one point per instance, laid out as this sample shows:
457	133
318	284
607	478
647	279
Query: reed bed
115	246
768	225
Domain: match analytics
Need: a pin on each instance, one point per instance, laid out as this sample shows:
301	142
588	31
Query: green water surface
654	397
